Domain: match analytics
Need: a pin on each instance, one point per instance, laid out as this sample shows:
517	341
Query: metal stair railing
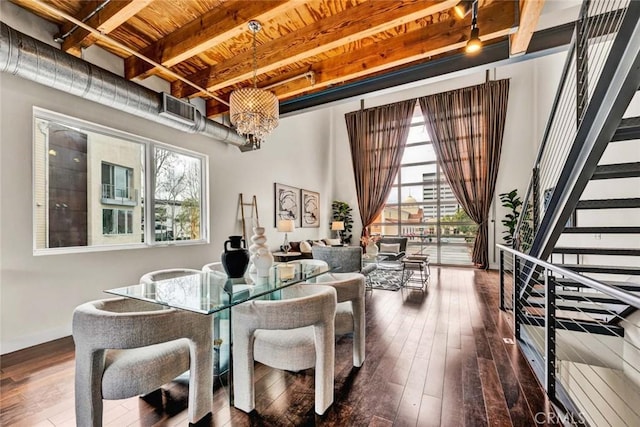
583	118
579	340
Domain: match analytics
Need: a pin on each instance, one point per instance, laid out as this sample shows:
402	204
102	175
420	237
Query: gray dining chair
167	273
350	311
127	347
292	334
213	266
309	266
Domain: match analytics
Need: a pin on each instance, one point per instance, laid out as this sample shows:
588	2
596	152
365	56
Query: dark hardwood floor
432	359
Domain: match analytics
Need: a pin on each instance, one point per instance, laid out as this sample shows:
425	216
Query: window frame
146	198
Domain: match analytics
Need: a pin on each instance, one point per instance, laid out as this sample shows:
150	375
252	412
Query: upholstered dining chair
168	273
293	334
213	266
311	266
127	347
346	259
350	312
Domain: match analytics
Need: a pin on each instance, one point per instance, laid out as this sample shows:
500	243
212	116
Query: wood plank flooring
433	359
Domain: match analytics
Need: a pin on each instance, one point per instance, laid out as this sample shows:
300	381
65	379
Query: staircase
589	208
576	264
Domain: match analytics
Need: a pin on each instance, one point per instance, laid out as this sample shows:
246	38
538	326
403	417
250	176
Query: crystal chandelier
253	111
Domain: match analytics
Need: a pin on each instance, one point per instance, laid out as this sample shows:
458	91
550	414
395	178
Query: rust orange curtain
466	127
377	137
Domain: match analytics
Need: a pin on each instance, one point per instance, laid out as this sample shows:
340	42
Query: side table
417	265
285	256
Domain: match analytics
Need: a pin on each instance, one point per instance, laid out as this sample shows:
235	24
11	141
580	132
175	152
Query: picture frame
310	208
286	201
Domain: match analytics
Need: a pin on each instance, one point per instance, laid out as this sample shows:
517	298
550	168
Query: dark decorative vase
235	257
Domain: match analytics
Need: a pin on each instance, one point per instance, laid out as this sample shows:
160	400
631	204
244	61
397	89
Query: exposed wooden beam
113	15
495	21
87	8
214	27
529	15
355	23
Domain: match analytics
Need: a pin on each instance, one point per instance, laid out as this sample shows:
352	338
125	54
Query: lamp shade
337	225
286	225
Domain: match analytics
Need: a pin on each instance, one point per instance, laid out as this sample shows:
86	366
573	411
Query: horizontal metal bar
624	296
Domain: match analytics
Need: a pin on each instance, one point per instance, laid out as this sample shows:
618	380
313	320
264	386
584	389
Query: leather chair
292	334
126	347
393	255
350	312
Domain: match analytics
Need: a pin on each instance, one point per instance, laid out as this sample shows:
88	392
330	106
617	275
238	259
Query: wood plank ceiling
335	41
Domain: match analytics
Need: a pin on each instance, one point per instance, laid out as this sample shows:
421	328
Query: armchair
388	246
350	314
127	347
294	333
169	273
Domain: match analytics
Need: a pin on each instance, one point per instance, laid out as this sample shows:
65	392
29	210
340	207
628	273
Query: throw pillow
392	248
318	243
332	242
305	247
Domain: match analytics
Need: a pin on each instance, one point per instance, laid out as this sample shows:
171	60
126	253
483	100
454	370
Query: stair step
575	325
602	230
591	297
620	170
611	269
592	309
609	204
628	129
598	251
627	286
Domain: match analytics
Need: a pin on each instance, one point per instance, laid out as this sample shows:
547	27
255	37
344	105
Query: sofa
305	250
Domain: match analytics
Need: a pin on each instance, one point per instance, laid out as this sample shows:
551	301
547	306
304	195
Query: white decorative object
372	250
261	258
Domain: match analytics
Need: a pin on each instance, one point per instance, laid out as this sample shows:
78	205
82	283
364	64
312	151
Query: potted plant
512	201
342	212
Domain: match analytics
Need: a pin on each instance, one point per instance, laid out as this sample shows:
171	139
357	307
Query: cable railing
597	27
581	336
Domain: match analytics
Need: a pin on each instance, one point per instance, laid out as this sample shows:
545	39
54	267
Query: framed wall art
310	208
287	203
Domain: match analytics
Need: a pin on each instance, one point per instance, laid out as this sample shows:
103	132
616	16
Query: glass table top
210	292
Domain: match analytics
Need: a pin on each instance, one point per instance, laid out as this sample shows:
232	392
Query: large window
422	207
95	188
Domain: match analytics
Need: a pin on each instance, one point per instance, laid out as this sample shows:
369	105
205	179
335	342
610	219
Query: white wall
308	150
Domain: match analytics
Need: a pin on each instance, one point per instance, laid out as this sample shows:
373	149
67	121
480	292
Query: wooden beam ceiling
222	23
106	20
495	21
529	14
355	23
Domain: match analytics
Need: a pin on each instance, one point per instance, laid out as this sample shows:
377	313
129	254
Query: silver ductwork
34	60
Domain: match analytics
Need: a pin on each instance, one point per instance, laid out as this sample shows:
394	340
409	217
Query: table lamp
338	226
286	226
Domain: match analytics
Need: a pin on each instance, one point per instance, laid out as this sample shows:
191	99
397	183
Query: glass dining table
213	293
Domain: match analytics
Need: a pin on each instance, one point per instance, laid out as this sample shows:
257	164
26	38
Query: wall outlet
597	236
